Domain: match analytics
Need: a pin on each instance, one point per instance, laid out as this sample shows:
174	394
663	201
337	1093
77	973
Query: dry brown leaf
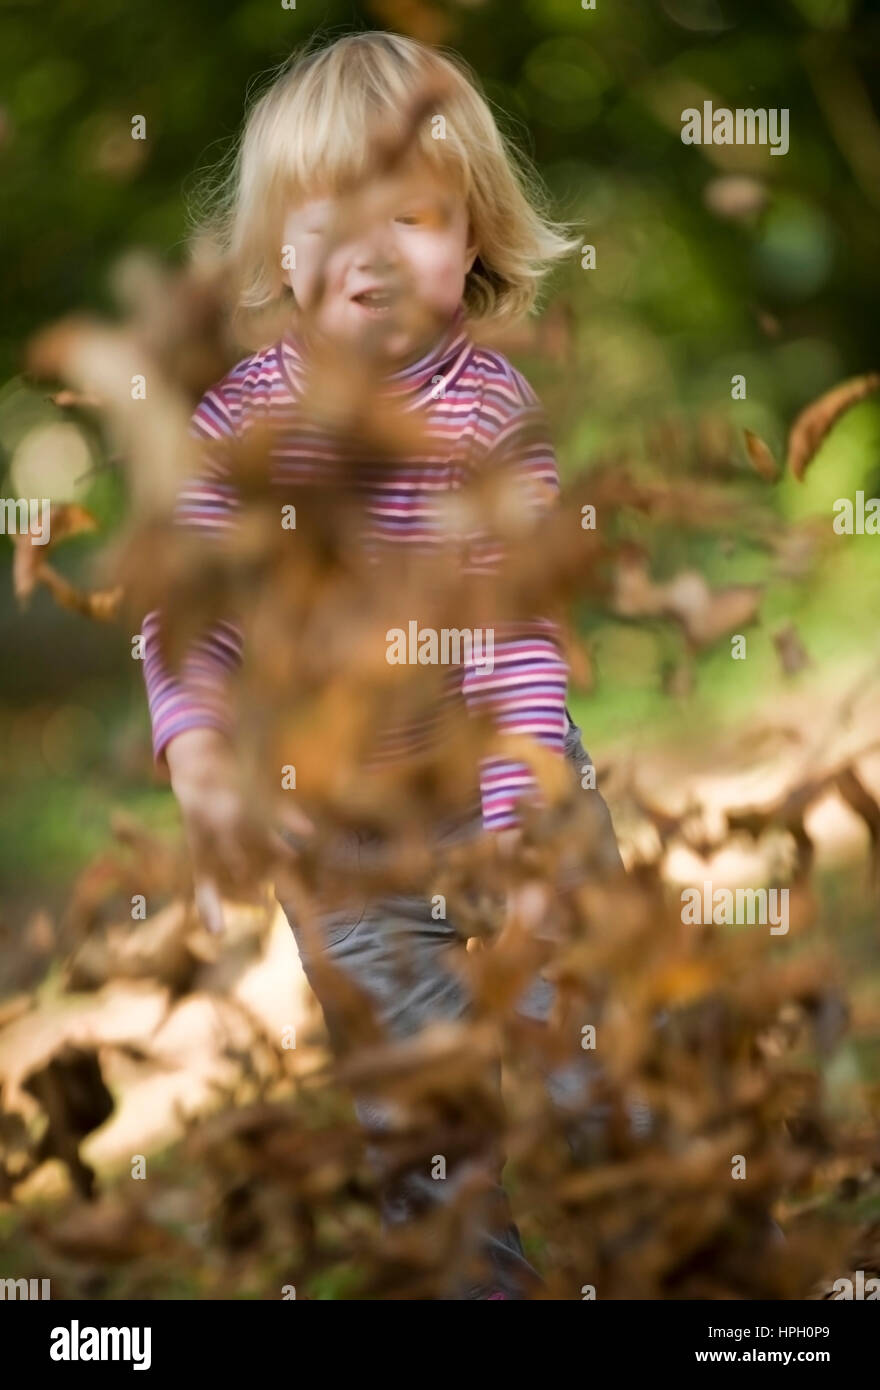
814	422
856	795
704	614
111	1230
762	459
29	560
790	649
30	565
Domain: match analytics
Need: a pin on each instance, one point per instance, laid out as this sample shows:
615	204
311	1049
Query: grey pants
404	967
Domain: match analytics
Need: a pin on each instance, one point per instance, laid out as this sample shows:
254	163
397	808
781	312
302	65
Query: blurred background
710	262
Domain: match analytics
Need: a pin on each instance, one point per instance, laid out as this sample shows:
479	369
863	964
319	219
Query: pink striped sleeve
195	696
525	691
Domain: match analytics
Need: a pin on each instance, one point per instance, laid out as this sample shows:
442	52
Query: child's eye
412	219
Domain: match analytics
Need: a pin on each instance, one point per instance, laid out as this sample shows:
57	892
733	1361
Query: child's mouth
376	303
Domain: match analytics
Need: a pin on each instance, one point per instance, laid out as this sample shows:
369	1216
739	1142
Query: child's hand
527	904
225	839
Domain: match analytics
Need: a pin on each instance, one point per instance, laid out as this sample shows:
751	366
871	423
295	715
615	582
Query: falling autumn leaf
790	649
856	795
705	614
815	421
762	459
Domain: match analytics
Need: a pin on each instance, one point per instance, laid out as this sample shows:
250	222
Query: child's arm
190	710
526	689
196	696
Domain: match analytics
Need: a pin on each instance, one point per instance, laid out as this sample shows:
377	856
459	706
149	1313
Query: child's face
412	248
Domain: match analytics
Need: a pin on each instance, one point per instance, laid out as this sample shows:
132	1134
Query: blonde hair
314	129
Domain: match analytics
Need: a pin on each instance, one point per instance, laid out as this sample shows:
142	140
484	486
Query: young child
458	238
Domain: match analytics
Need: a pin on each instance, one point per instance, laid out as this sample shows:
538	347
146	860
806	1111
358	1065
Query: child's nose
375	250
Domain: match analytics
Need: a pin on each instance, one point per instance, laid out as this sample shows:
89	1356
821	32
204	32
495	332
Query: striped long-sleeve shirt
475	408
